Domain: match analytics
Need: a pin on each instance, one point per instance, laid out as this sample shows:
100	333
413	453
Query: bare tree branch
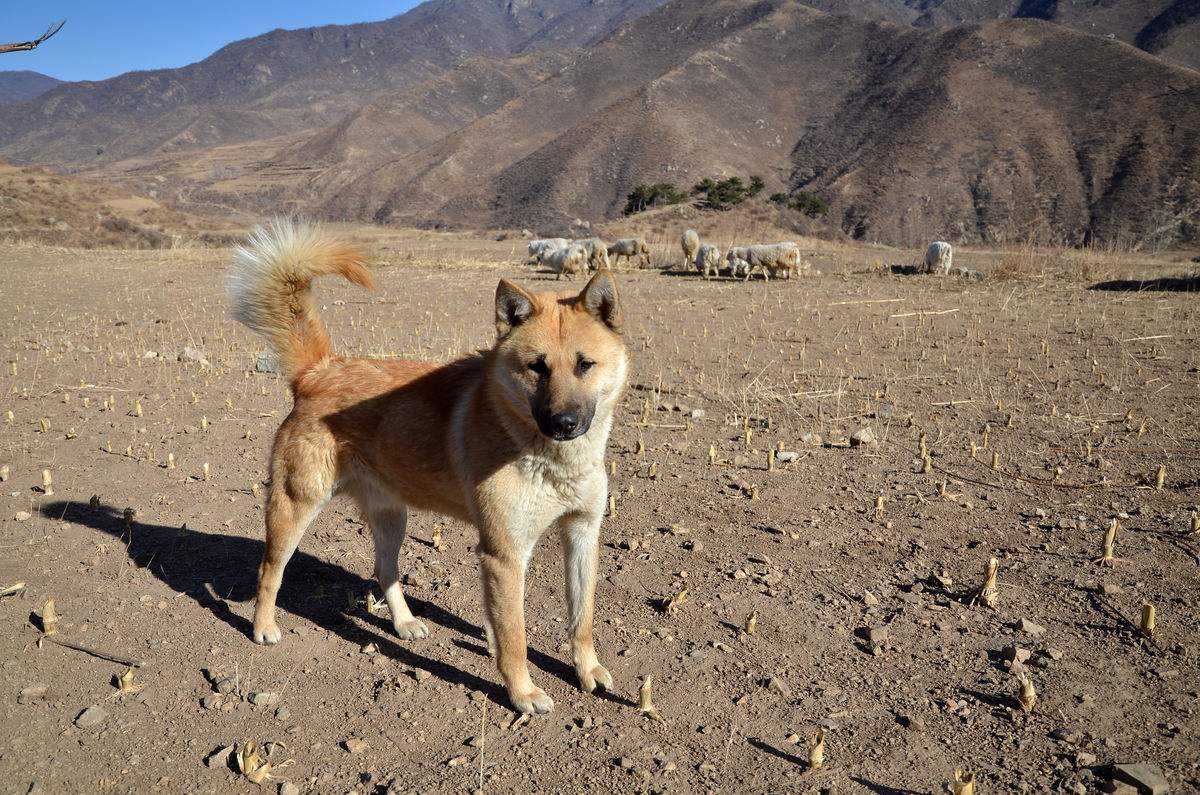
32	45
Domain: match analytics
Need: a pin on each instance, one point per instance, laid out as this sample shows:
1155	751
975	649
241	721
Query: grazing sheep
690	243
708	260
539	248
597	252
938	257
736	259
772	259
571	260
630	247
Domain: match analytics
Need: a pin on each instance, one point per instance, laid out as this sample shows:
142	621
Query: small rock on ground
91	717
1149	779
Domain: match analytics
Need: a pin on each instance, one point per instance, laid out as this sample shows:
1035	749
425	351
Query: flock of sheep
574	257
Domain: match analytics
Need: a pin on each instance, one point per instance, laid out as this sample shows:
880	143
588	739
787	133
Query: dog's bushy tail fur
270	288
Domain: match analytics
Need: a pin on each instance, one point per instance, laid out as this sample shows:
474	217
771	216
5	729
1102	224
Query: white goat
630	247
539	248
708	260
938	257
597	252
571	260
690	243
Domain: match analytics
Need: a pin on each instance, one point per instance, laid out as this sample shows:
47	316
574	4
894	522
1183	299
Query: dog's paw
413	629
532	702
594	676
267	634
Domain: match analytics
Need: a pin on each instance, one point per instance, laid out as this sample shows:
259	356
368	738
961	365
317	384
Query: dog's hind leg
389	526
288	515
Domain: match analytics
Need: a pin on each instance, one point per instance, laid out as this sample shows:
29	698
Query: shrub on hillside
643	197
810	204
723	194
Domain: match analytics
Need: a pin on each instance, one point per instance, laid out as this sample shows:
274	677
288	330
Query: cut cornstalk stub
879	506
436	541
1110	537
1195	526
771	460
47	483
1160	477
995	460
612	506
988	594
816	751
964	783
170	460
1027	696
205	470
646	701
49	617
751	623
641	448
125	684
672	604
712	454
926	464
1146	627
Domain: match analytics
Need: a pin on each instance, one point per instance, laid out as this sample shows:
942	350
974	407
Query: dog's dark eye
538	366
583	365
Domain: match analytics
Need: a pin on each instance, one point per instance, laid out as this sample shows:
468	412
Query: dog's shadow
214	569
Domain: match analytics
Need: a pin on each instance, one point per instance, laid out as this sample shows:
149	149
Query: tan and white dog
510	439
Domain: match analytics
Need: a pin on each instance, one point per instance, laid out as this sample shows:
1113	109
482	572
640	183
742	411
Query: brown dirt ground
800	546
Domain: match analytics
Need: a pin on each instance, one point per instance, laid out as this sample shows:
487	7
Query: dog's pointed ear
599	299
513	307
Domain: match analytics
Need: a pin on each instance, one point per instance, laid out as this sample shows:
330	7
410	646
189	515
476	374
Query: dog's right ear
513	307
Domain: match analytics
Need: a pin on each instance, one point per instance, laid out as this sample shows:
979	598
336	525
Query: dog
510	439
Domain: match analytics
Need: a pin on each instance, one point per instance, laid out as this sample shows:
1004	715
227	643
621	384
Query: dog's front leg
580	539
504	602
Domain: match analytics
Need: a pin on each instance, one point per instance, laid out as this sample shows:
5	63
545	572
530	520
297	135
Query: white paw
413	629
594	675
533	702
268	634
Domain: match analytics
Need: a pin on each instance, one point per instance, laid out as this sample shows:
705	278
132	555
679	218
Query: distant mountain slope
289	80
24	85
1012	130
1167	28
993	120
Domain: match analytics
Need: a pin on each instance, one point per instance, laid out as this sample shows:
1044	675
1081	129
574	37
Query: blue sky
103	38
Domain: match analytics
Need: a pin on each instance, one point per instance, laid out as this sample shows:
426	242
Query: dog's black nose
564	425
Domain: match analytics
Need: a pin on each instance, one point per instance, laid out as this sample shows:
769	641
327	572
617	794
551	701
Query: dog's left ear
599	299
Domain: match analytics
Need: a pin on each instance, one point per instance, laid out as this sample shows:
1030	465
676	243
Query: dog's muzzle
565	425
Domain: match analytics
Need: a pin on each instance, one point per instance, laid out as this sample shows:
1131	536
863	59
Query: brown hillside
1009	131
39	206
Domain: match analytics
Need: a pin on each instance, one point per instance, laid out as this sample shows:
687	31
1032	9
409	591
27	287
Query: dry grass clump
1022	264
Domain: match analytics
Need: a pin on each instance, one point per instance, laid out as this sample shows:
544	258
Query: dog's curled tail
270	288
